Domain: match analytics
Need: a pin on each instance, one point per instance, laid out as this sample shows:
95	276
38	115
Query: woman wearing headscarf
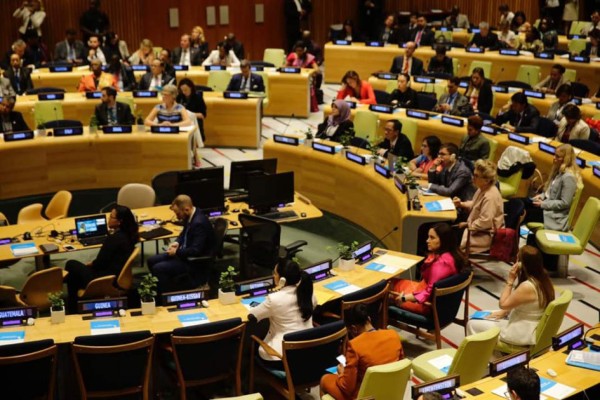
338	124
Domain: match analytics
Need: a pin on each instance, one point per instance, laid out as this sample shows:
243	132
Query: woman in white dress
521	306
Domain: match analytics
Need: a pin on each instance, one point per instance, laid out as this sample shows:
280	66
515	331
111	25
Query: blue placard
140	67
12	337
192	319
547	148
180	67
375	266
336	285
93	95
382	108
567	239
453	121
382	170
292	141
515	137
433	206
535	94
480	50
58	132
107	324
145	93
325	148
332	370
577	100
355	158
24	247
480	314
417	114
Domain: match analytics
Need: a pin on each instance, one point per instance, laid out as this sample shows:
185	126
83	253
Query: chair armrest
292	248
331	315
270	351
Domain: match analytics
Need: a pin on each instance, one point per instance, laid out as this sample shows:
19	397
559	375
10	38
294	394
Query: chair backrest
136	195
529	74
439	89
447	297
100	288
547	128
274	56
410	128
44	111
315	347
587	220
509	185
574	204
586	145
375	297
485	65
493	147
580	89
570	74
164	187
473	355
59	205
577	26
63	123
550	322
426	101
39	284
218	80
125	278
365	124
31	213
382	97
455	65
129	101
359	142
577	45
220	228
447	35
387	381
114	364
46	89
31	362
218	343
259	244
391	86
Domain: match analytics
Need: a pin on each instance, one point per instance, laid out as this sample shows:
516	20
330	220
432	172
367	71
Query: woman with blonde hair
198	41
168	112
144	55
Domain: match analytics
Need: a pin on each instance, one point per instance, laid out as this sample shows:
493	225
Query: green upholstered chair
446	299
439	89
548	326
455	65
387	381
577	26
493	147
577	45
365	124
391	86
529	74
577	238
253	396
570	75
487	70
274	56
509	186
265	76
533	226
218	80
410	128
447	35
129	101
46	111
470	360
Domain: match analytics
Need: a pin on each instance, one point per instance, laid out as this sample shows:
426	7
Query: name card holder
100	308
352	104
579	59
417	114
507	363
145	93
545	55
580	162
254	287
50	96
577	100
140	67
500	89
356	158
598	106
374	44
490	130
17	316
424	79
117	129
325	148
474	30
180	67
535	94
61	68
291	141
382	108
320	270
453	121
515	137
235	95
93	95
509	52
164	129
61	132
16	136
341	42
547	148
388	76
290	70
463	84
382	170
576	36
479	50
596	171
184	300
215	68
257	68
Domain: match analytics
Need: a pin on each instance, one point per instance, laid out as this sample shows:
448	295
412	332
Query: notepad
193	319
388	269
584	359
104	327
24	249
480	314
247	302
12	337
555	237
440	205
342	287
442	362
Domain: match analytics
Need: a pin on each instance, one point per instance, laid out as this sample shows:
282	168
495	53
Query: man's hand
172	248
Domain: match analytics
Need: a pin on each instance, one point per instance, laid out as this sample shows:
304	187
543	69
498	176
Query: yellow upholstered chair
111	286
365	124
46	111
58	207
218	80
36	289
485	65
274	56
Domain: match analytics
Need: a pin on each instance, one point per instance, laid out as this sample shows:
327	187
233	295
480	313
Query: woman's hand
499	314
340	369
513	273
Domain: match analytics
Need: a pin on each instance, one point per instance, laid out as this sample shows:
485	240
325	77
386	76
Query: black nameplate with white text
74	131
355	158
235	95
490	130
374	44
417	114
180	67
17	316
500	89
16	136
382	170
547	148
424	79
61	68
509	52
164	129
51	96
382	108
325	148
479	50
215	68
140	67
515	137
388	76
453	121
579	59
341	42
145	93
93	95
535	94
290	70
545	55
292	141
116	129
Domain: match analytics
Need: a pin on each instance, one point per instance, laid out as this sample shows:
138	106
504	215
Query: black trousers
79	277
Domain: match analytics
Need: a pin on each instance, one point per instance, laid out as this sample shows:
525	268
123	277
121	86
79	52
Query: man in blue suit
197	239
246	81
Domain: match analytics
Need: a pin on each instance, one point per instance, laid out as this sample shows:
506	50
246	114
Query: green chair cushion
426	371
410	318
327	397
557	248
508	348
534	226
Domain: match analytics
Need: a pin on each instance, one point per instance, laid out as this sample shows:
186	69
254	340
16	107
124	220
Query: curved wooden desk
354	192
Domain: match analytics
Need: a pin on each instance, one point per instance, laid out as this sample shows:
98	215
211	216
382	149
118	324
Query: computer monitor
266	192
205	187
241	170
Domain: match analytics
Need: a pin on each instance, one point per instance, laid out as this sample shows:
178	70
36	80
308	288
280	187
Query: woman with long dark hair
112	255
444	260
289	309
479	92
521	305
430	148
122	74
356	90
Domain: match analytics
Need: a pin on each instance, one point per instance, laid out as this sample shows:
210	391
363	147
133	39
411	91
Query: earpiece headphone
452	157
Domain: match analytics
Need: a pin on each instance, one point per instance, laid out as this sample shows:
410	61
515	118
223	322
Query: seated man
97	79
395	141
455	179
156	79
112	112
407	63
11	121
474	146
185	54
456	19
421	35
19	47
440	63
523	384
197	239
521	117
453	102
95	51
224	55
19	77
485	38
70	50
553	81
595	18
246	81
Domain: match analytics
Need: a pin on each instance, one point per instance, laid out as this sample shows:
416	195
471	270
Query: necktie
17	81
405	66
418	38
96	80
71	52
243	87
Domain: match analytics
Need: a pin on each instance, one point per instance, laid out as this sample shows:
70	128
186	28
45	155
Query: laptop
91	230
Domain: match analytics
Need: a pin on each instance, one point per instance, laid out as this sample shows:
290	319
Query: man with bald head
197	239
186	54
407	63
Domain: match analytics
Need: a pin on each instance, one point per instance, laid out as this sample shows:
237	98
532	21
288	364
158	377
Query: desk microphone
394	229
528	79
498	80
288	124
55	114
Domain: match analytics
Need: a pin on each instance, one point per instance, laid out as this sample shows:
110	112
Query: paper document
342	287
12	337
503	389
442	362
252	302
24	249
555	237
440	205
555	389
480	314
193	319
104	327
537	139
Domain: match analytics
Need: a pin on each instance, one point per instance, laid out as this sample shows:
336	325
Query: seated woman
367	347
349	32
516	25
300	57
479	92
564	96
223	55
198	41
338	124
122	74
532	41
592	48
486	210
549	34
354	89
389	32
444	260
112	255
521	306
404	96
192	101
420	166
289	310
571	126
168	112
144	55
506	37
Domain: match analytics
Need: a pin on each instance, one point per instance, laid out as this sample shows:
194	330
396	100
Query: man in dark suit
485	38
185	54
11	121
19	77
236	46
421	35
407	63
453	102
112	112
156	78
19	47
440	64
70	50
246	81
197	239
521	117
395	141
